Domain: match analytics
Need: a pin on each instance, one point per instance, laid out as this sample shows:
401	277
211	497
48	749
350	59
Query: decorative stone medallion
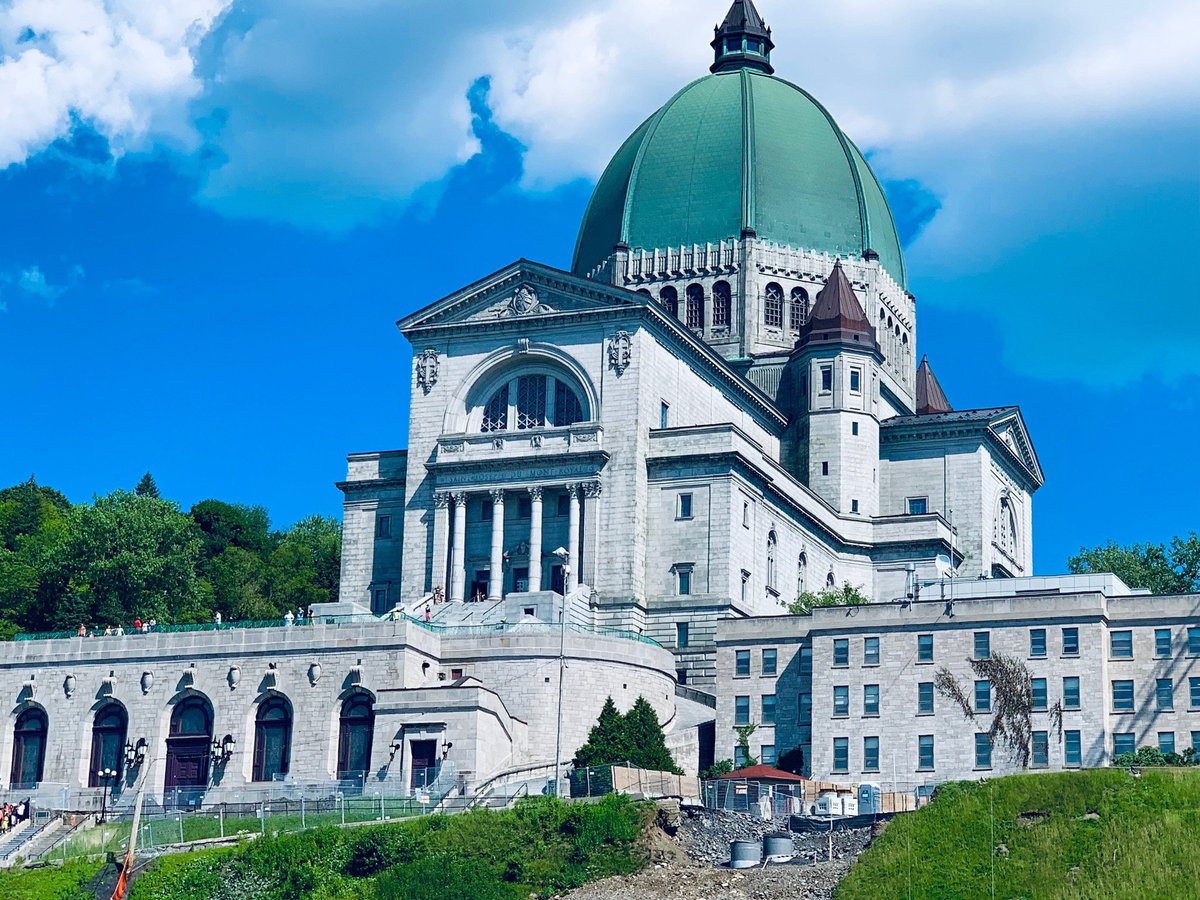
620	352
427	364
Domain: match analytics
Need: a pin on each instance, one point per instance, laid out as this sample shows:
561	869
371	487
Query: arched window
670	301
356	731
722	305
532	401
799	308
1006	528
773	306
29	749
108	742
801	573
695	306
772	544
272	739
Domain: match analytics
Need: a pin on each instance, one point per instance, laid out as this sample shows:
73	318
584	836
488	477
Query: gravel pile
705	836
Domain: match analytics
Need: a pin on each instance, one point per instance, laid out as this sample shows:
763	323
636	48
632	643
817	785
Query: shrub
439	877
374	849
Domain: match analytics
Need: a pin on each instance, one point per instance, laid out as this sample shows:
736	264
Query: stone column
589	551
535	539
572	577
441	540
496	577
458	584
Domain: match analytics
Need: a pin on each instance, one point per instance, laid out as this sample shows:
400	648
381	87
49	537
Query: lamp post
106	777
564	558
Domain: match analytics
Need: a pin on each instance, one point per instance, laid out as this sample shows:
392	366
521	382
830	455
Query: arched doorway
356	732
29	749
188	752
108	742
272	739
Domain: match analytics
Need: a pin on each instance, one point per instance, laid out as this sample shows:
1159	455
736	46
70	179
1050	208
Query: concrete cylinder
744	854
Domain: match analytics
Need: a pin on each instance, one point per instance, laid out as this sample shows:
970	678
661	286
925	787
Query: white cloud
124	67
32	282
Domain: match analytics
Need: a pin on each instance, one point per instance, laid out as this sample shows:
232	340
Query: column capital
593	489
497	495
571	488
535	494
459	497
441	499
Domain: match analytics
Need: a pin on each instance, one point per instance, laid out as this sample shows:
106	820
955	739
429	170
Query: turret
743	41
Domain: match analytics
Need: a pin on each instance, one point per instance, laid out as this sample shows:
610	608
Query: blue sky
209	232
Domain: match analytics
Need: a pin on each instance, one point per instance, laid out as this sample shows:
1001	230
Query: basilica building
718	407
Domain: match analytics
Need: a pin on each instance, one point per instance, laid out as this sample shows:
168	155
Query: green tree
33	523
1161	568
608	742
146	487
225	525
127	555
26	509
305	567
717	769
237	581
648	744
846	595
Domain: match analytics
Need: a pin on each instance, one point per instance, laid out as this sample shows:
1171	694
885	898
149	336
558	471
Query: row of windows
1164	694
1121	643
981	645
769	658
532	401
562	508
774	305
741	710
1126	742
766	756
188	741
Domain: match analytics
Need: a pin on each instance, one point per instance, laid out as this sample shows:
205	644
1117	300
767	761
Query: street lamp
564	559
106	777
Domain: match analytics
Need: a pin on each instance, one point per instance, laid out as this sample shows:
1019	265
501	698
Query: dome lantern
743	41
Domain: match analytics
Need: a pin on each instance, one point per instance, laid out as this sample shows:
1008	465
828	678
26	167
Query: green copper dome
738	152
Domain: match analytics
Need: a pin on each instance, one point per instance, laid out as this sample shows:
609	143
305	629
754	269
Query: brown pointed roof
931	399
838	316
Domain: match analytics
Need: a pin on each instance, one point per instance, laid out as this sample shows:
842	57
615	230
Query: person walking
217	618
288	618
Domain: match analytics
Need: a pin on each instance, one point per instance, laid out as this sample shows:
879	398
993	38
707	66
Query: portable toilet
870	799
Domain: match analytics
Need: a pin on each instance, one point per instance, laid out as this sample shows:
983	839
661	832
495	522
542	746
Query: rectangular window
853	506
856	381
681	676
1122	696
681	634
1121	643
870	699
664	414
983	696
770	661
1166	741
685	506
1072	749
1037	641
983	751
983	644
745	514
841	754
741	710
871	754
1071	692
841	652
1124	742
854	428
824	468
564	505
826	378
383	527
871	651
1194	693
1194	641
925	752
743	663
1070	642
1164	694
841	700
1162	643
925	648
918	506
804	709
739	757
1041	748
1196	741
381	598
768	754
1041	700
685	582
768	709
456	674
925	698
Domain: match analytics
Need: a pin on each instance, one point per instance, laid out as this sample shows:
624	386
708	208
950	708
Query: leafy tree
717	769
649	744
237	585
125	556
608	742
792	761
225	525
26	509
33	523
146	487
306	565
846	595
1160	568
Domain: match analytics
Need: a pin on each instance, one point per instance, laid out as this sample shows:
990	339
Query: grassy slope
67	882
1143	845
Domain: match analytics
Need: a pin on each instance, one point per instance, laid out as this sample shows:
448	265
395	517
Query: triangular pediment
524	291
1010	431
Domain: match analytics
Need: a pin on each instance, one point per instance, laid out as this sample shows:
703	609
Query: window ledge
868	665
926	769
870	715
924	662
981	769
840	716
1072	708
1070	656
870	771
1037	656
924	714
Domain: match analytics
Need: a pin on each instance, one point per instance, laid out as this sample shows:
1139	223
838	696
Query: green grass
542	847
1105	835
66	882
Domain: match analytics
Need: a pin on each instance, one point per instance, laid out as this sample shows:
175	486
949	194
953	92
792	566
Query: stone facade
1060	628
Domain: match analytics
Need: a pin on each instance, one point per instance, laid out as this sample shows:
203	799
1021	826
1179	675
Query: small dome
737	152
